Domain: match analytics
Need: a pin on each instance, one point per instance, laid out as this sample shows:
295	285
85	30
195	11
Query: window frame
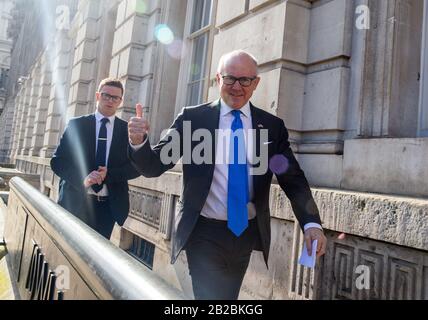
189	40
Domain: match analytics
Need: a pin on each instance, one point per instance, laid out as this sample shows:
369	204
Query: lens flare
278	164
141	6
164	34
177	49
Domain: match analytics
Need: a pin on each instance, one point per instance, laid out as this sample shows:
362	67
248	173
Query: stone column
15	127
34	96
10	118
390	82
166	70
22	121
134	52
6	123
83	75
42	103
59	90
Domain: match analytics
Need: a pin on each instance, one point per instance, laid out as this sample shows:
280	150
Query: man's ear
97	96
218	78
256	82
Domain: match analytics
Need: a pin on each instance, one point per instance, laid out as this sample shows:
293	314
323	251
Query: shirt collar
99	117
225	109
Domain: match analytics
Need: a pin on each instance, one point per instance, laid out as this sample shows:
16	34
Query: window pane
201	14
197	67
207	13
194	93
197	70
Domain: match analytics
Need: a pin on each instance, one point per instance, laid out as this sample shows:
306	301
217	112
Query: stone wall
348	97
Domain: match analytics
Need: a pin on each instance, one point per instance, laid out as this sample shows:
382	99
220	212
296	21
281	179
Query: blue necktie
100	159
237	189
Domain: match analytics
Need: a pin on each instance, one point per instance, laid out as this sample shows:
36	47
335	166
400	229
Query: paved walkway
6	291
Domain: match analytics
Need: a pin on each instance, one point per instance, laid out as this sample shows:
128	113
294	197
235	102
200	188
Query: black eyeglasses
243	81
107	97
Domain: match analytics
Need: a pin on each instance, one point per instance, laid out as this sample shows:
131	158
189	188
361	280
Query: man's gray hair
227	56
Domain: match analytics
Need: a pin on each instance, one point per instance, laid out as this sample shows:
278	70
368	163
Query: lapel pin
260	125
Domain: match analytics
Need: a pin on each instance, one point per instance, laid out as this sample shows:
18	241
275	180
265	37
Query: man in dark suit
224	207
92	162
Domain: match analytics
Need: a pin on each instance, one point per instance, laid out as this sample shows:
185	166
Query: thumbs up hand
138	127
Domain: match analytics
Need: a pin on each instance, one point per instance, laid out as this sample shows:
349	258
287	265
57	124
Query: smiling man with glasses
92	162
223	213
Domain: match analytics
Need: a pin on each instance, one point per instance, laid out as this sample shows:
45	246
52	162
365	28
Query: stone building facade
350	80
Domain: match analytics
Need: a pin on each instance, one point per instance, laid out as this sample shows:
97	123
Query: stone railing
53	255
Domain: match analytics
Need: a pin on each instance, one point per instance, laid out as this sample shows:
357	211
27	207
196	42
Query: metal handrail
109	271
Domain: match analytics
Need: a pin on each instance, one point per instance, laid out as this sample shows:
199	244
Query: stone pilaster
389	80
166	66
22	121
15	127
34	97
59	90
42	104
83	75
6	124
134	52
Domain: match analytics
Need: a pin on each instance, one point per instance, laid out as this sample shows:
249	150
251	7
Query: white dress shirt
110	126
216	205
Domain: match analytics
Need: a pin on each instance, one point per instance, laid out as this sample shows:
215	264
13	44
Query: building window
195	87
201	14
142	250
198	35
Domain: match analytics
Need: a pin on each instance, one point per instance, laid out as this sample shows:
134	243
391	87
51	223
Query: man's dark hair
112	82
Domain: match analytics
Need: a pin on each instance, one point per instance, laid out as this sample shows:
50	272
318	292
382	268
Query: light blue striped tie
237	189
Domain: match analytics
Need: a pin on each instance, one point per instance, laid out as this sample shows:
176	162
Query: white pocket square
266	143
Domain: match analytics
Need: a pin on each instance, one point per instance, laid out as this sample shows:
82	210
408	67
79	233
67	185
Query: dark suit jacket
74	159
197	179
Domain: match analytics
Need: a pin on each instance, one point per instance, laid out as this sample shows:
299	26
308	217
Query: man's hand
138	127
103	172
312	234
93	178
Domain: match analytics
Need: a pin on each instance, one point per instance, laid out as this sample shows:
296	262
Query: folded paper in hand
305	259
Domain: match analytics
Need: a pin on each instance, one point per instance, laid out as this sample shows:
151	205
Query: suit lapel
257	122
210	120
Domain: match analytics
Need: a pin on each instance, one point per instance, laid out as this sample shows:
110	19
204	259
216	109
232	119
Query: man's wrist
312	225
137	147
